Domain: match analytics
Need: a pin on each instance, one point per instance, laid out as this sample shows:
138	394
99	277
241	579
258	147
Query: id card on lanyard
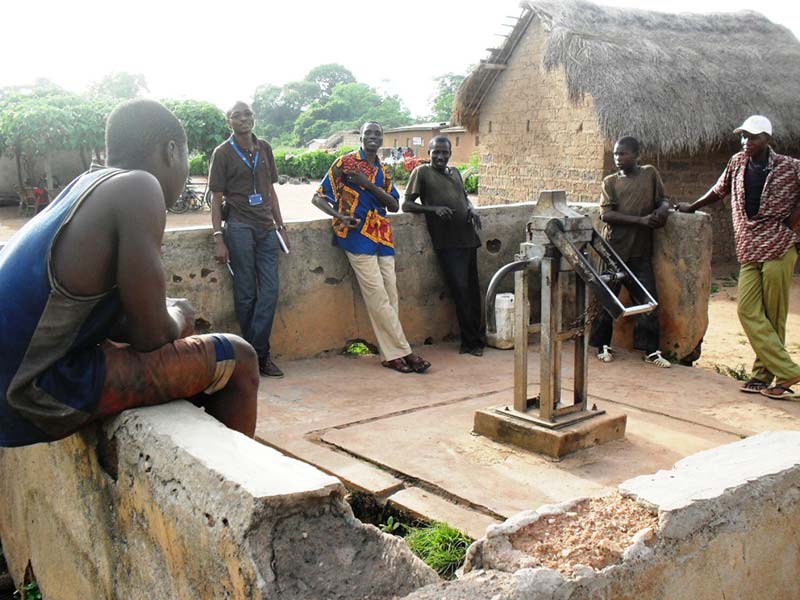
254	198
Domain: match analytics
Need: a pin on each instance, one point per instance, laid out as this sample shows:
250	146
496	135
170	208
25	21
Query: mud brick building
571	77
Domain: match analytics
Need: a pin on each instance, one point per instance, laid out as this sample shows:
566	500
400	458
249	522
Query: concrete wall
166	502
320	307
463	143
727	530
66	166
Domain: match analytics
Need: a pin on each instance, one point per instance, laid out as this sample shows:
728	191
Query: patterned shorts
185	368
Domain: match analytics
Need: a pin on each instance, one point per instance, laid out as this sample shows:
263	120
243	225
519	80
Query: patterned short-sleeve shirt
374	235
765	236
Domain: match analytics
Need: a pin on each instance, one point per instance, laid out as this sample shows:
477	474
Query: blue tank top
51	365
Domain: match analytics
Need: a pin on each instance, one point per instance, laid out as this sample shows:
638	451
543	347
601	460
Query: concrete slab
505	428
427	505
379	430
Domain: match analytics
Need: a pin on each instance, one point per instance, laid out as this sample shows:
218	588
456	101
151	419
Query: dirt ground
725	347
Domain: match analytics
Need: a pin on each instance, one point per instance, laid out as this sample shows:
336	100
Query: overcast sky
222	51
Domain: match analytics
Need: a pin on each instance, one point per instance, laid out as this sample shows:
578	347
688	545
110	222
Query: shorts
183	369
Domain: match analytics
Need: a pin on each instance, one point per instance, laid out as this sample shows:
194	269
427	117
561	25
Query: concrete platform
506	428
407	437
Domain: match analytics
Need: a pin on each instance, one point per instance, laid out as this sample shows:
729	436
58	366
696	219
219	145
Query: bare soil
725	347
594	533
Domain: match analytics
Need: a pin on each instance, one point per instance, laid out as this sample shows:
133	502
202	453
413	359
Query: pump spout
534	264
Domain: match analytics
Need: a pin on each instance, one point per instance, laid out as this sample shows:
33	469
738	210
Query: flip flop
397	364
417	363
779	392
753	386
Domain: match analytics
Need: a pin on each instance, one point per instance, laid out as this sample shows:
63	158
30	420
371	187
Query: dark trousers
460	266
645	331
254	260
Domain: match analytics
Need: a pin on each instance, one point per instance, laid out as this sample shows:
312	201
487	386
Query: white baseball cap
755	125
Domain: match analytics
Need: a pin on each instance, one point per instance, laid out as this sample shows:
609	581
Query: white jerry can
504	318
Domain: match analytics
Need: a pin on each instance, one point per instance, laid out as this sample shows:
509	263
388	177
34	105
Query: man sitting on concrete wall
85	328
765	202
452	226
356	192
633	204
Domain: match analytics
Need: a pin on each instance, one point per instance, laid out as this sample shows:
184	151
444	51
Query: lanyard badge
254	198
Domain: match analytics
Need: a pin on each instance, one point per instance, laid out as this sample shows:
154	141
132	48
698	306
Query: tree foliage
328	99
348	107
448	84
327	77
205	124
119	85
35	122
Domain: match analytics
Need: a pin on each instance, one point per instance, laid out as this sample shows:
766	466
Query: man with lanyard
765	202
356	192
243	174
452	226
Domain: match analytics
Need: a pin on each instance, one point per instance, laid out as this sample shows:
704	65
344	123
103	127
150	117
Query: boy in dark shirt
452	225
633	204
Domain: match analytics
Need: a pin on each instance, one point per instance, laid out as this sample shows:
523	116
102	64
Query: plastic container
504	318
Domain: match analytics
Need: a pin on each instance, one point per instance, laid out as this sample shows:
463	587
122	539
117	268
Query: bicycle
190	199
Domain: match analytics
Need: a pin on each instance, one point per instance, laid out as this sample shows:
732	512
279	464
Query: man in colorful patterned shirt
765	202
356	192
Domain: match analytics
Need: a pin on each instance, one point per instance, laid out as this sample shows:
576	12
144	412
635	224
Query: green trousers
763	307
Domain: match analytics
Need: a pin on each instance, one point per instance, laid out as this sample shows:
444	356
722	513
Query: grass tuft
440	546
739	373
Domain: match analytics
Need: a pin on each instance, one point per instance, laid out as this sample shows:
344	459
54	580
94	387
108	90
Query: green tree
348	107
276	108
327	77
447	86
205	124
39	120
120	85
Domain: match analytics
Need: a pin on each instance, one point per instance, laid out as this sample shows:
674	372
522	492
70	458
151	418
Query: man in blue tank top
86	330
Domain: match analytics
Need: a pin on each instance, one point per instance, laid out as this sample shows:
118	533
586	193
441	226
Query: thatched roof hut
681	82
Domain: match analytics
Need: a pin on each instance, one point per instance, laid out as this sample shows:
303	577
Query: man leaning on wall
765	203
242	177
357	191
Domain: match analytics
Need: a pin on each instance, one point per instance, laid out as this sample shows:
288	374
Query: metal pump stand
558	239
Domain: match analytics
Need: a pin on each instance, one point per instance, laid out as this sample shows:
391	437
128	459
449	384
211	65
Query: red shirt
765	236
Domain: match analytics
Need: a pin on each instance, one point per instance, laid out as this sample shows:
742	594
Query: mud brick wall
532	138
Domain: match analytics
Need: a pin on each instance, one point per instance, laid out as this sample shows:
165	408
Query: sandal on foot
656	359
397	364
417	363
753	386
779	392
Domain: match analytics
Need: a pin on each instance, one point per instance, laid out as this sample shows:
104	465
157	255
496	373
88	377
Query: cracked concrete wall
319	293
165	502
729	529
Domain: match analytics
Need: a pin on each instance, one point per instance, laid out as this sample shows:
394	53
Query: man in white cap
765	202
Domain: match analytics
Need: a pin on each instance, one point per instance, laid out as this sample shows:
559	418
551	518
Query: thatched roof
678	82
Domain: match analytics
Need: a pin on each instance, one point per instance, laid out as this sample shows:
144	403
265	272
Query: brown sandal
397	364
417	363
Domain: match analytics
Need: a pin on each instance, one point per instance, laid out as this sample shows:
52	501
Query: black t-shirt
755	175
444	188
231	176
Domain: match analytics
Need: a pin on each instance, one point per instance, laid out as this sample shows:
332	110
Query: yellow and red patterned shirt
374	235
765	236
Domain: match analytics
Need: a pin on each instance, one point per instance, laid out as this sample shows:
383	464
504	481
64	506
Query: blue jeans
254	260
